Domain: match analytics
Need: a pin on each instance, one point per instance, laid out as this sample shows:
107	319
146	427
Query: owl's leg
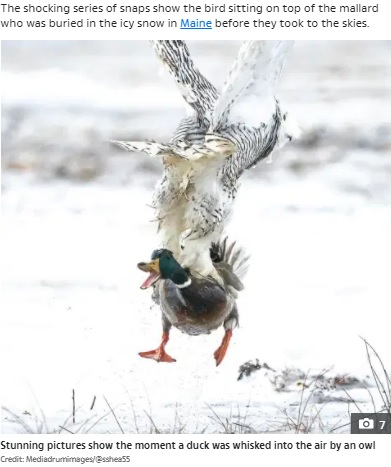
160	355
229	324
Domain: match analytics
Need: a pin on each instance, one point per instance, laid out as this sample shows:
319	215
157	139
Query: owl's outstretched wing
178	150
247	96
247	112
196	90
188	139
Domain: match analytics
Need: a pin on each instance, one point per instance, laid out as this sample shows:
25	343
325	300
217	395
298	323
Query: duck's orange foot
159	355
222	350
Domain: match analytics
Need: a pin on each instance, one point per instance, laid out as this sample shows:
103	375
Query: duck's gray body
200	308
205	304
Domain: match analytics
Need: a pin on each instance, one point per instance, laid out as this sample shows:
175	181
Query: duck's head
163	265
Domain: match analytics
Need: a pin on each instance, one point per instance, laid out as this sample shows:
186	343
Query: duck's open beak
154	270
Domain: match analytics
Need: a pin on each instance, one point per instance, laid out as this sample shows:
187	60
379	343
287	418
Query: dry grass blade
157	431
93	403
178	427
88	430
307	415
384	387
351	400
73	406
135	417
114	415
335	428
19	420
301	408
371	397
66	429
301	426
41	410
217	419
229	426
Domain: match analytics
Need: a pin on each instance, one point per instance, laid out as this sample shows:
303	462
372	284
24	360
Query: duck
192	303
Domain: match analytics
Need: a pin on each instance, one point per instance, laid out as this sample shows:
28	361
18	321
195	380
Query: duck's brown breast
197	309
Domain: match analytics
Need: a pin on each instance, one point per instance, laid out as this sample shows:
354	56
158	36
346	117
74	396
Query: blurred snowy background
315	218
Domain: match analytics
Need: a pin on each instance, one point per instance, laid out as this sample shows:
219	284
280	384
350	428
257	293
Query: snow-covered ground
75	222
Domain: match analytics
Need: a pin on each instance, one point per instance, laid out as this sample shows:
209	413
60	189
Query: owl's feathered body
223	136
191	203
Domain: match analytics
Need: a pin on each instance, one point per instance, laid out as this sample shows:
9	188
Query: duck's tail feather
228	252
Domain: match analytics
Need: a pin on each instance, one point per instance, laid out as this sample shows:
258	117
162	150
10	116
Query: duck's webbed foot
230	323
222	350
159	355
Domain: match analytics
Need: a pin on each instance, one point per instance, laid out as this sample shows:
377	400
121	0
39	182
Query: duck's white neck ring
185	284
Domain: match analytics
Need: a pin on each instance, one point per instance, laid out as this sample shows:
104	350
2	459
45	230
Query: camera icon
366	424
374	423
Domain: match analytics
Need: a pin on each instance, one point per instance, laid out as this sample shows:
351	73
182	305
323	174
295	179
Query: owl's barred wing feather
182	149
247	113
247	96
149	147
196	90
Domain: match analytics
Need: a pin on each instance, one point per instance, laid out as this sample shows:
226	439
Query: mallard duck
192	303
223	135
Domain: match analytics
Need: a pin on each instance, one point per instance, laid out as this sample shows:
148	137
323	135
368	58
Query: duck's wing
231	262
247	112
198	92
